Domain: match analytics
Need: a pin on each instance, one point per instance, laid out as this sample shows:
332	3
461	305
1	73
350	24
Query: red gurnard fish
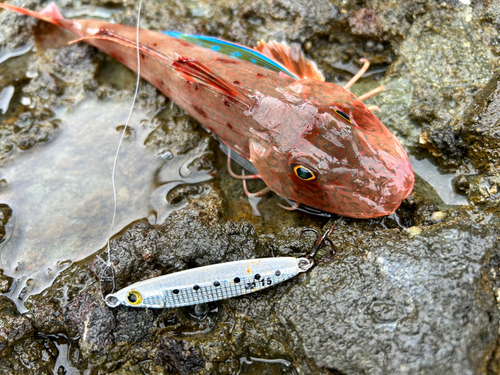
312	142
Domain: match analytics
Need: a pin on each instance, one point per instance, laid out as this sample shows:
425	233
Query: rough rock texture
180	355
484	190
455	64
481	128
22	352
479	132
420	304
392	300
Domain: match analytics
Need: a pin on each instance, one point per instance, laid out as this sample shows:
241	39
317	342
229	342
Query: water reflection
61	192
6	95
442	183
254	365
7	52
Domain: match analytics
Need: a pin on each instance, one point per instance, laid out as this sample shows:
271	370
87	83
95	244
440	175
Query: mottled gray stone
422	305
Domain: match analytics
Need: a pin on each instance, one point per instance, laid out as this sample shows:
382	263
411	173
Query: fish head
342	160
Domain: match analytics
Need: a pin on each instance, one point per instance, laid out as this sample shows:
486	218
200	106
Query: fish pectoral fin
109	35
292	58
195	71
189	68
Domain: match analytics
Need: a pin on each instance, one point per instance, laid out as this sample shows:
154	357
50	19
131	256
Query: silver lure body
209	283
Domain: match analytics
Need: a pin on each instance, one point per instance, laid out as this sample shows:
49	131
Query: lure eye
343	115
304	173
134	297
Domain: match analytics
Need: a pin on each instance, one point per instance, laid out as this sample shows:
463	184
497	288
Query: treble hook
320	240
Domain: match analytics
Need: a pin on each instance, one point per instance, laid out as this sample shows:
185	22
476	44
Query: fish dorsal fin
233	50
292	58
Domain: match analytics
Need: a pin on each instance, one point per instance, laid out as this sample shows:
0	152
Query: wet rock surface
481	128
411	304
479	132
415	292
22	351
390	301
184	339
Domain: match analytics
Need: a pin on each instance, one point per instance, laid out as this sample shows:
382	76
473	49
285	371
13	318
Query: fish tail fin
49	14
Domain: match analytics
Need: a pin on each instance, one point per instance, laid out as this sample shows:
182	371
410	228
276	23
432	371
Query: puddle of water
61	192
254	365
87	11
63	363
442	183
5	97
6	53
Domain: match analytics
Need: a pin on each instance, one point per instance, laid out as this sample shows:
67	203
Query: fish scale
209	283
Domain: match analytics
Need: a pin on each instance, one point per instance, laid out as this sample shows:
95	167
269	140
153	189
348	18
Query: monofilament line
123	134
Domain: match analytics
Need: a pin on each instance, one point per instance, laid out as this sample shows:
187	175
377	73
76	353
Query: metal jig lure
215	282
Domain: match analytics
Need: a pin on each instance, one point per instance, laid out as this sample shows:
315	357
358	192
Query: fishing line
109	267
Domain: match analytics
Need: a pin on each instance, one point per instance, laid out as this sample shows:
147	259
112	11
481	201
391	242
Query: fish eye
134	297
304	173
343	115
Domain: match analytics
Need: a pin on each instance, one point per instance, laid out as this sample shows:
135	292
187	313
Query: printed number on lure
209	283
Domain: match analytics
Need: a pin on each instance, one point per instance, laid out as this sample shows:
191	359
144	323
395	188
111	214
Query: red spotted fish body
312	142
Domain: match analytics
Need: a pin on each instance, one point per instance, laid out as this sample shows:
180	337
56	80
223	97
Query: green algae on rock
22	351
448	63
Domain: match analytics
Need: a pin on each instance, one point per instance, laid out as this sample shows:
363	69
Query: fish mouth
382	201
320	213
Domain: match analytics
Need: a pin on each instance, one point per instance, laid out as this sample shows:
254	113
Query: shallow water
61	192
252	365
6	95
86	11
442	183
7	53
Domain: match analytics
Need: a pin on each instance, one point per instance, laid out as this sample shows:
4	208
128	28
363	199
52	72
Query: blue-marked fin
233	50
